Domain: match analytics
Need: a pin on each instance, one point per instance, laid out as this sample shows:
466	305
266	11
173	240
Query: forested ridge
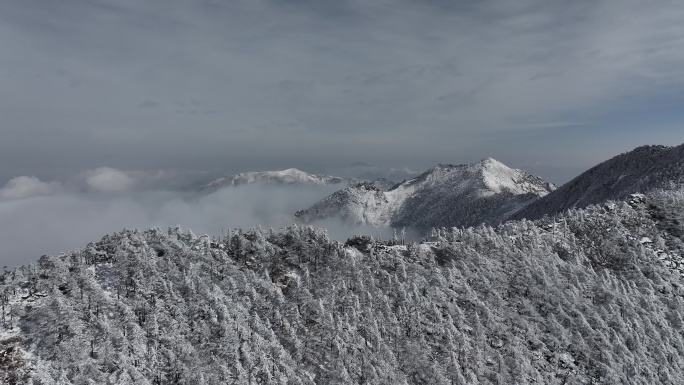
586	297
643	169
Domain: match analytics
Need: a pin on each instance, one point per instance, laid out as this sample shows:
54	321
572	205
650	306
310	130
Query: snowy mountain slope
446	195
639	170
382	184
289	176
595	296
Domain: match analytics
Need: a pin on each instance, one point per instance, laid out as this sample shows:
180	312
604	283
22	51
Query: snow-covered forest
590	296
642	169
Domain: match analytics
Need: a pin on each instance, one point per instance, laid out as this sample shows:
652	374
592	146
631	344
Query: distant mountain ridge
290	176
642	169
446	195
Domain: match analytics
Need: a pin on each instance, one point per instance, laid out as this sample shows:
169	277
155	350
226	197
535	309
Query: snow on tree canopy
571	299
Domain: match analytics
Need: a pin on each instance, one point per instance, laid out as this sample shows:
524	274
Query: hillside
596	296
637	171
446	195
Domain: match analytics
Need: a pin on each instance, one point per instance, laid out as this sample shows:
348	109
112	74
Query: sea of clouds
49	217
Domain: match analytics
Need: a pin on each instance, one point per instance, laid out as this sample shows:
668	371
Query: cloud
415	83
109	180
64	222
28	186
105	179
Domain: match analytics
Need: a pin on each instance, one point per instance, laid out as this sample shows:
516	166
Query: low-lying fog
39	217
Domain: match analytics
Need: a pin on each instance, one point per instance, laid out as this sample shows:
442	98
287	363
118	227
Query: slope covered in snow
595	296
289	176
637	171
446	195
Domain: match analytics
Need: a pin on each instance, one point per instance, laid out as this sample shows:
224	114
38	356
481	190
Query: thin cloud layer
105	179
69	220
28	186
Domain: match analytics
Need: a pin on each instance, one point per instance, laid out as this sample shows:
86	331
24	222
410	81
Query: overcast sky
548	86
107	106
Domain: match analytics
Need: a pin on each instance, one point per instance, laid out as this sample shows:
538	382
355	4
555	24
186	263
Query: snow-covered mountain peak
488	176
292	175
498	178
449	188
294	172
491	162
287	176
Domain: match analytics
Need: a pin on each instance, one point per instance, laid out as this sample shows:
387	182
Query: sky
155	95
